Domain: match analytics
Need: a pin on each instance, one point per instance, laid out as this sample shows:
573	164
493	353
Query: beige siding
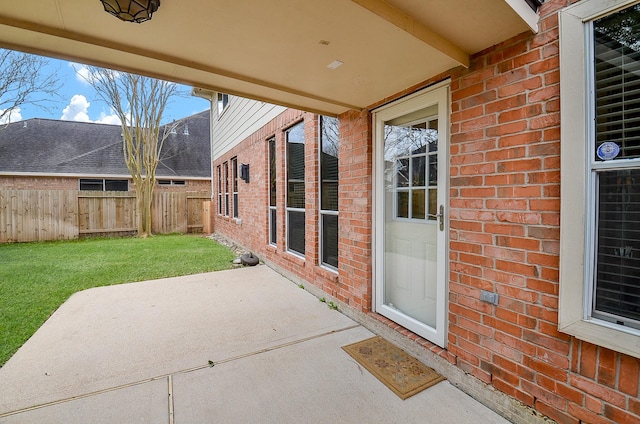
239	120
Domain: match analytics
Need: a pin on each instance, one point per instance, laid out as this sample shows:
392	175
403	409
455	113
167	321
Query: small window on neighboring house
234	185
103	184
219	174
223	102
600	173
225	181
272	192
329	139
172	182
295	189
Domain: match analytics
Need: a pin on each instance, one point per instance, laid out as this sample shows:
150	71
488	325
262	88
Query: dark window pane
272	172
329	196
295	167
402	173
295	230
235	205
433	170
403	204
617	83
418	169
296	195
433	203
91	184
273	233
617	289
234	174
116	185
329	164
330	240
418	204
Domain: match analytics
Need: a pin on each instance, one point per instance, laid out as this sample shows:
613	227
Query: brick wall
504	238
504	231
38	183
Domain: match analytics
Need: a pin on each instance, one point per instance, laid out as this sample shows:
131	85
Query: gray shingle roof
68	147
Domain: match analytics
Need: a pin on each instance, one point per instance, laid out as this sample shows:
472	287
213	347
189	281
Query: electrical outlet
489	297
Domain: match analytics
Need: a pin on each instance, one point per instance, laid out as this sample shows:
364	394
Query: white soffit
271	51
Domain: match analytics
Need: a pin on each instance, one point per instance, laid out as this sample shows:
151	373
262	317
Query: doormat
398	370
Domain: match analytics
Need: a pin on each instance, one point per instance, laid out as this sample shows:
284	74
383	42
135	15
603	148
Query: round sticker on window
608	150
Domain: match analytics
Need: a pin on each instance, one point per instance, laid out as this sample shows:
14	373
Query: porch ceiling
276	51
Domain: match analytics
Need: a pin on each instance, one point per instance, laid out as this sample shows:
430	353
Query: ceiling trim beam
152	55
408	24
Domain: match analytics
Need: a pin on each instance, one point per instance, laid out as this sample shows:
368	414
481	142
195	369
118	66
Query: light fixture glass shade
131	10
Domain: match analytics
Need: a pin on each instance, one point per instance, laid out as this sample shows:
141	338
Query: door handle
439	216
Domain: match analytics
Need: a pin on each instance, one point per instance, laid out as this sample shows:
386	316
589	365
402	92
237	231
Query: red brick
557	415
620	416
629	375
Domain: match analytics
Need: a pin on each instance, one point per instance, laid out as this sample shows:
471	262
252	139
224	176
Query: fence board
38	215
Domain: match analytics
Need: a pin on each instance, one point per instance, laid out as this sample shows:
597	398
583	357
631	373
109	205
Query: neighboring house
55	155
438	212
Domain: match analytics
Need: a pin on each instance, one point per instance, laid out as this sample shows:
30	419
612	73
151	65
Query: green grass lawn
36	278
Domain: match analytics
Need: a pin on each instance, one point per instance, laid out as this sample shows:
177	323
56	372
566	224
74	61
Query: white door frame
437	94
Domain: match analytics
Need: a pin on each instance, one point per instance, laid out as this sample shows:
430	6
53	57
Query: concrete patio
141	352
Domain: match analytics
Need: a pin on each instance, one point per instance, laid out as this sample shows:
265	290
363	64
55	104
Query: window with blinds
234	185
616	167
329	138
295	189
272	192
219	173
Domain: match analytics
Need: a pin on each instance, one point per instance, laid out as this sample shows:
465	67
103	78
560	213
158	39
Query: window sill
605	334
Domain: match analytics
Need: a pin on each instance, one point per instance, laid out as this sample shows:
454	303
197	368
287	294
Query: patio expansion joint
169	376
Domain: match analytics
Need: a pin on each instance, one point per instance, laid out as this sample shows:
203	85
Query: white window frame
323	212
225	178
234	186
222	102
576	212
289	209
272	208
219	173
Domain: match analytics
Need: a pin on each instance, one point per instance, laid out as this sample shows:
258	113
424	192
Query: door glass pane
402	173
410	239
403	204
433	204
433	170
418	171
418	204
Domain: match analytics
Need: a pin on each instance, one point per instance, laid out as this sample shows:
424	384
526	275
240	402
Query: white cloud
13	116
77	109
112	119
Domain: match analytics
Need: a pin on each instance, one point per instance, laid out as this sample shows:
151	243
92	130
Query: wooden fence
36	215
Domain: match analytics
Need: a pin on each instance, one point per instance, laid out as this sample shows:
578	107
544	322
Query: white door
411	138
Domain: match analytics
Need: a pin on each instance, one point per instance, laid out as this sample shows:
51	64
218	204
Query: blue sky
78	102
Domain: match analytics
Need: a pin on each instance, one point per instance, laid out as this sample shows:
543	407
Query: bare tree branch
23	81
139	102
